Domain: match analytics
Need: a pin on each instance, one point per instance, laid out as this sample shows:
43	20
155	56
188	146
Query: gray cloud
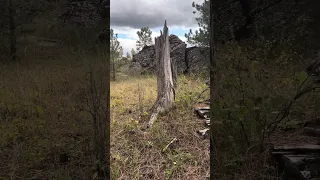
152	13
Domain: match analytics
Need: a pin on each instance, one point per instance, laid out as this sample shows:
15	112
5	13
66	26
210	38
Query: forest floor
137	153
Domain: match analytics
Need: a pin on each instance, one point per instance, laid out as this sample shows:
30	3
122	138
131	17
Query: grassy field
45	133
137	153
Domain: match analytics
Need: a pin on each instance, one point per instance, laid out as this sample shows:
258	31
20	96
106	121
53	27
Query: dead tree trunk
165	87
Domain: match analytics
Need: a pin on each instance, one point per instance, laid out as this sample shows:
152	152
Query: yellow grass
137	153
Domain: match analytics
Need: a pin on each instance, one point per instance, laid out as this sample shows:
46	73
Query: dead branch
172	141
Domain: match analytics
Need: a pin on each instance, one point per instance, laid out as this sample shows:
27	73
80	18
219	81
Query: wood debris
172	141
300	161
203	112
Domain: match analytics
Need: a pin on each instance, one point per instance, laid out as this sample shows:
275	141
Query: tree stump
166	92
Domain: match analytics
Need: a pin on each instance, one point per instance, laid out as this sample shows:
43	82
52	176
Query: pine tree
201	37
116	51
144	38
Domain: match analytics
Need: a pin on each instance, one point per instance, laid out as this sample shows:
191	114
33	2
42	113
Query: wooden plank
298	165
291	168
308	148
282	152
203	113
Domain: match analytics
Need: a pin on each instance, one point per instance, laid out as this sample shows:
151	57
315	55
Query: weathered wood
203	113
300	166
213	90
207	122
172	141
291	164
204	133
204	106
300	161
308	148
166	93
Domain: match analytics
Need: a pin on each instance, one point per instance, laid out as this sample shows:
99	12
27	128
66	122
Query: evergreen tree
144	38
133	52
116	51
200	37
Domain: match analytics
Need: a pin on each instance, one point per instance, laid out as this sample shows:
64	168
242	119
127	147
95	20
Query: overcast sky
128	16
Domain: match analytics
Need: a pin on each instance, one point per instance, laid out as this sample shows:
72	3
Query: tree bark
12	35
107	130
166	92
212	87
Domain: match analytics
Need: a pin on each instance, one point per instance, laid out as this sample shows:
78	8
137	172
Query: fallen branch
172	141
156	110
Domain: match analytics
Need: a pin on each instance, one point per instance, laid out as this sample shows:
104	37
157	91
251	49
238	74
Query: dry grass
42	120
137	153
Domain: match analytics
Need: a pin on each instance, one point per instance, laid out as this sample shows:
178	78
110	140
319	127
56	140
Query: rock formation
197	59
145	58
85	13
193	59
177	54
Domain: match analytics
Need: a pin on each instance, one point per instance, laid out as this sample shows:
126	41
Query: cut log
166	92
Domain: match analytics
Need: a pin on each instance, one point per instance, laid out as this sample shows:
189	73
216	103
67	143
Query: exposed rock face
197	59
91	15
146	57
192	59
177	53
85	13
